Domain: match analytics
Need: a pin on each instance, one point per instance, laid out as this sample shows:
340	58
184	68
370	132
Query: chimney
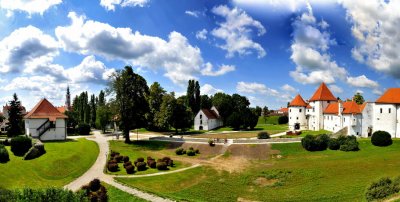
340	107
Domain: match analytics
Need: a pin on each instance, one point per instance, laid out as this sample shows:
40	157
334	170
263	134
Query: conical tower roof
298	101
323	94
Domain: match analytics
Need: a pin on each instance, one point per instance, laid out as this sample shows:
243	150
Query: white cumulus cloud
362	81
110	4
202	34
208	89
236	32
223	69
29	6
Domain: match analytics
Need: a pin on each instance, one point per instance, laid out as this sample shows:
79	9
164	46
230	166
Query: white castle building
324	111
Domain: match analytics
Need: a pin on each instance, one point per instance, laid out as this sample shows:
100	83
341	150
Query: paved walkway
96	171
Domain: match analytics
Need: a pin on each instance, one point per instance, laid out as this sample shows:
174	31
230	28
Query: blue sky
267	50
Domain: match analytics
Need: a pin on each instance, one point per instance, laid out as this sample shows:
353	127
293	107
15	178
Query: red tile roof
284	110
210	114
391	96
349	107
362	107
332	108
45	110
61	109
298	101
323	94
309	106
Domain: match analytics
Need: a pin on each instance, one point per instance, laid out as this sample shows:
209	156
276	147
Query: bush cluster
333	144
83	129
95	191
381	139
189	152
348	143
151	162
283	120
36	151
48	194
4	157
20	145
263	135
382	189
112	164
315	143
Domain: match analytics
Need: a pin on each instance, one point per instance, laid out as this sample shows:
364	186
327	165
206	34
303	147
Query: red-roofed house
45	122
387	112
207	119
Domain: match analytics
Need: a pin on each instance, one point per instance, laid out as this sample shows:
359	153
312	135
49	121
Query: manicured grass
62	163
311	132
116	195
298	176
155	149
268	120
235	135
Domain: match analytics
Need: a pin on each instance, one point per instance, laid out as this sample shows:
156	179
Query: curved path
96	171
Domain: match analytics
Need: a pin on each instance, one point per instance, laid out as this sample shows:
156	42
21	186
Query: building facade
324	111
207	119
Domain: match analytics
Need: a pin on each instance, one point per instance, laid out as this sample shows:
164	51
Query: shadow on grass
59	141
150	145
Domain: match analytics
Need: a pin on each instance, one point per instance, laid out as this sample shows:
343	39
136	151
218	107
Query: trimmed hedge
49	194
179	151
382	189
20	145
162	166
130	169
141	166
95	191
4	157
190	153
283	120
315	143
263	135
349	144
333	144
83	129
381	139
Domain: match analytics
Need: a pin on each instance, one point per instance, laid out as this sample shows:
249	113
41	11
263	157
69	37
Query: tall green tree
14	124
163	119
224	105
197	98
358	98
265	113
205	102
93	110
258	110
182	117
103	117
101	99
87	110
155	99
131	90
190	94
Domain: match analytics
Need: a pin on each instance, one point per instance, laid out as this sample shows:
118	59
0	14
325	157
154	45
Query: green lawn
155	149
298	176
268	120
62	163
116	195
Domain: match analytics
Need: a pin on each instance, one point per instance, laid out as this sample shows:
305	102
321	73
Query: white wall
57	133
208	124
367	117
298	115
332	122
385	121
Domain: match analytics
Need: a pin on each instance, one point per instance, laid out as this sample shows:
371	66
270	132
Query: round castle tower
297	114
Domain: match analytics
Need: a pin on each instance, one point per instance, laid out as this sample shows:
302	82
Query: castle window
299	110
201	122
381	110
201	116
329	101
389	110
297	118
290	110
344	119
313	109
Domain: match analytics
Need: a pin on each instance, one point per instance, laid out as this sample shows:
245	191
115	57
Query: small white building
45	122
207	119
297	114
387	112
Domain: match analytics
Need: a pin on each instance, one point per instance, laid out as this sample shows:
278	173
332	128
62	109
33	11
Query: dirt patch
262	181
206	150
230	164
254	152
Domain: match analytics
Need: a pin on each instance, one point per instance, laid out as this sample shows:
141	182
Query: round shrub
4	157
32	154
179	151
152	164
263	135
333	144
350	144
94	185
20	145
141	166
197	151
125	159
211	142
283	120
381	189
315	143
83	129
118	158
162	166
127	164
114	153
130	169
191	148
112	161
149	158
140	159
381	139
112	167
190	152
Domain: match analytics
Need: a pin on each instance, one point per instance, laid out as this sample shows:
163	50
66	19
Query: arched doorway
297	126
201	128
